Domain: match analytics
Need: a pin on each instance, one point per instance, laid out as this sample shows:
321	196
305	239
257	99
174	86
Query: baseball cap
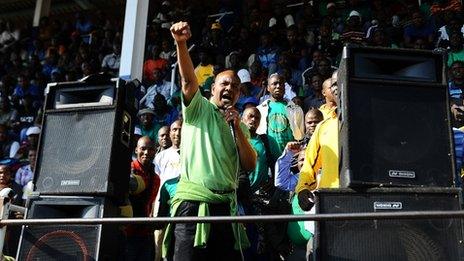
145	111
33	130
244	76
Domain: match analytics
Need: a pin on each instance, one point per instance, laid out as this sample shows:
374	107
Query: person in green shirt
211	156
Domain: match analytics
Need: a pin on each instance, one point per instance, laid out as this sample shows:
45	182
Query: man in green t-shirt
211	156
281	119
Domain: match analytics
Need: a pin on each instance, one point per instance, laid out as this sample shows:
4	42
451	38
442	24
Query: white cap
244	76
354	13
289	20
272	22
33	130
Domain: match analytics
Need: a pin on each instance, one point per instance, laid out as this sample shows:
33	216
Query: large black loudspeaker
70	242
394	118
85	143
379	240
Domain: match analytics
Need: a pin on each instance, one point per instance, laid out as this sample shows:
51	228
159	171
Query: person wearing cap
211	155
248	92
353	31
32	134
147	126
281	119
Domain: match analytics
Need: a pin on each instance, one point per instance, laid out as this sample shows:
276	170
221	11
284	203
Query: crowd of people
255	101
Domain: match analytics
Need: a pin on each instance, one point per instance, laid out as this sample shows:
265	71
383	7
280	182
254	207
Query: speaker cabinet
379	240
70	242
394	119
85	145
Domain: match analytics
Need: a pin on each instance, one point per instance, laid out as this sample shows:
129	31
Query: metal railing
241	219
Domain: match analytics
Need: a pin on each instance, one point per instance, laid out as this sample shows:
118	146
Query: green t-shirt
278	128
208	151
260	174
458	56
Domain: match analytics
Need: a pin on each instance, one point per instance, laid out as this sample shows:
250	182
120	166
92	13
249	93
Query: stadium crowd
284	56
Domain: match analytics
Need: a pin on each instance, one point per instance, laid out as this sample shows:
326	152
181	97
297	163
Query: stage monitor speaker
70	242
85	145
379	240
394	119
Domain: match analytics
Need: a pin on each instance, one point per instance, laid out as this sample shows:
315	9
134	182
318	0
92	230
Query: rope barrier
241	219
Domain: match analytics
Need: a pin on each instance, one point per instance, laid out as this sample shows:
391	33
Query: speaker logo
406	174
388	205
70	183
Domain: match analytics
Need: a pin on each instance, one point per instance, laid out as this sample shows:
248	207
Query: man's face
334	85
31	156
311	121
146	120
276	87
323	67
5	175
145	151
163	138
327	91
174	133
457	71
226	89
157	75
251	118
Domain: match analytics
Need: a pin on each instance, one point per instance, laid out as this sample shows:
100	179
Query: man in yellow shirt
330	100
320	168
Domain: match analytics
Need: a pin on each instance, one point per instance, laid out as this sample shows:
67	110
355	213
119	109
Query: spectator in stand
165	114
209	164
166	51
312	118
281	119
26	173
453	25
204	70
163	140
156	62
456	51
24	88
353	31
419	29
9	36
143	188
322	66
314	97
147	125
32	134
328	41
83	24
160	86
268	53
111	61
8	115
456	91
8	147
247	89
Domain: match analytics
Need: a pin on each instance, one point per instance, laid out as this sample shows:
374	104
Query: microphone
232	130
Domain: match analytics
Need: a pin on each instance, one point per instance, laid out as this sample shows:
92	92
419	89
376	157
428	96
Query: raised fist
180	31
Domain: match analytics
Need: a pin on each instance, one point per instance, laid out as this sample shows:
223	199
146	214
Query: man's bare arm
181	33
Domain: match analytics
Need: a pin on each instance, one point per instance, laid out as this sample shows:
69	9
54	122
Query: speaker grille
67	243
75	152
419	239
399	128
